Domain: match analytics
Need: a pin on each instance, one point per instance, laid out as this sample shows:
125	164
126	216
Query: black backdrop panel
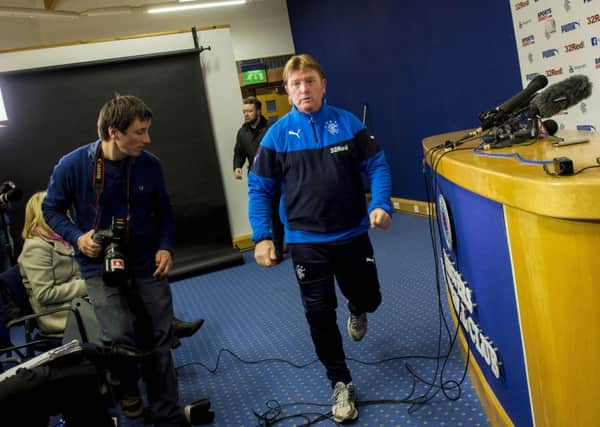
52	111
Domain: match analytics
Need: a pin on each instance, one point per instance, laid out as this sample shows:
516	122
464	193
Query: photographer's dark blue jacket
318	159
144	199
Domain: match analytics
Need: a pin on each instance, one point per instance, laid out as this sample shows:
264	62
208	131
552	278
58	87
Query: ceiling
73	9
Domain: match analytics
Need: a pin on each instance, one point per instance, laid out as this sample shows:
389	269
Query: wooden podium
523	246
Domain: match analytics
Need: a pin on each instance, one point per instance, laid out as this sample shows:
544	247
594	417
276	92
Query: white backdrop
559	39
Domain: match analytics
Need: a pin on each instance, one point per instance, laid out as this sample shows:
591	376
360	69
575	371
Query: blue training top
319	160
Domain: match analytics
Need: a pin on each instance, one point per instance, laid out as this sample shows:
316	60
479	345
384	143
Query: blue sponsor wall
423	67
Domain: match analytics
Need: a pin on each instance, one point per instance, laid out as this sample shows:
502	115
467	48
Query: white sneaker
357	326
344	408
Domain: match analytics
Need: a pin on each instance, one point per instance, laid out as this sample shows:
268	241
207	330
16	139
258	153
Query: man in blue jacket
318	153
115	181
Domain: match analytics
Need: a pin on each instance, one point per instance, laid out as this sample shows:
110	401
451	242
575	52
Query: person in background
112	182
318	153
246	144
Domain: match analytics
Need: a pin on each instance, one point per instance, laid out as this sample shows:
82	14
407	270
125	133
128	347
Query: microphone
533	121
550	126
498	115
9	192
562	95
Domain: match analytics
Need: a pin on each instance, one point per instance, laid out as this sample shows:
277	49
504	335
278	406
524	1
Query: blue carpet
256	313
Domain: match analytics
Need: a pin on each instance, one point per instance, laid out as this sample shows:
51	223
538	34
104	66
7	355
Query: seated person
51	275
48	269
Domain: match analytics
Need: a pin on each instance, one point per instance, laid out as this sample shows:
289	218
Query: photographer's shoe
344	408
199	412
175	342
132	406
357	326
182	329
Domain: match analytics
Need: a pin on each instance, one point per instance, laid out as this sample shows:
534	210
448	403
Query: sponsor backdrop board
559	39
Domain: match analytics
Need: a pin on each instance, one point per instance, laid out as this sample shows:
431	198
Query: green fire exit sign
252	77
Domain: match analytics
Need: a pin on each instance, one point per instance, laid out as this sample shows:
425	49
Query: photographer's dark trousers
140	313
352	264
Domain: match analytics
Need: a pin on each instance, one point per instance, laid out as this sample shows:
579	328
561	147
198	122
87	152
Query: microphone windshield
562	95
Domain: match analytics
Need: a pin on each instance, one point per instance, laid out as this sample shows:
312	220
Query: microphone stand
533	121
513	132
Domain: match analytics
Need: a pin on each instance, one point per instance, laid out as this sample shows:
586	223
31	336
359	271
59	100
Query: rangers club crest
300	272
332	127
446	222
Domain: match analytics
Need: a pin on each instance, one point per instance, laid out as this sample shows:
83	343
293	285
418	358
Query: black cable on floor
273	414
451	389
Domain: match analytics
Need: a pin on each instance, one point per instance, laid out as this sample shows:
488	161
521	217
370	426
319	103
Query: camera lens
114	273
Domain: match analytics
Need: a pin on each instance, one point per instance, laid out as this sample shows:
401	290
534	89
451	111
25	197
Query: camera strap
98	177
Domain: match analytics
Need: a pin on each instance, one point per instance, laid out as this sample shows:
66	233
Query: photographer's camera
114	271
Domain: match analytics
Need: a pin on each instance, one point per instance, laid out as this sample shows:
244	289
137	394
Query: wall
258	29
220	78
560	41
423	68
225	100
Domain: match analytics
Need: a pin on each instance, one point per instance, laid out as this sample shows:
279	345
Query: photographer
115	178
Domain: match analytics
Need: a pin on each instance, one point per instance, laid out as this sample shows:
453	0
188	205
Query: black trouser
276	224
352	264
141	315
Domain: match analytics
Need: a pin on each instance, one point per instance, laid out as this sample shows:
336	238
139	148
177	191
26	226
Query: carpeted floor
255	332
254	355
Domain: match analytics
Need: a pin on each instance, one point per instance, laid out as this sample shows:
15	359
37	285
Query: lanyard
98	177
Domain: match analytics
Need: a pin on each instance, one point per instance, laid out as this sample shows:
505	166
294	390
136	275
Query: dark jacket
247	142
144	199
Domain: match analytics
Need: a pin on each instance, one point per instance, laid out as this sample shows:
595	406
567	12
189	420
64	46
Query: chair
71	380
5	342
82	324
56	386
12	295
34	340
